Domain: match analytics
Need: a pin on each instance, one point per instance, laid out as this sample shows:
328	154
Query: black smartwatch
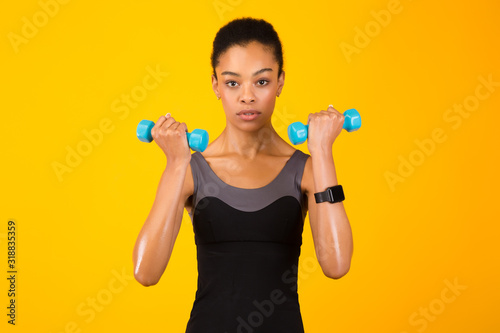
332	194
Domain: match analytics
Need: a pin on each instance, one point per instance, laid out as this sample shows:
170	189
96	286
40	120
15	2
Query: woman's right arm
156	239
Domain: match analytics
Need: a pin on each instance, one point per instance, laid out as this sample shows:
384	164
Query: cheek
270	99
267	94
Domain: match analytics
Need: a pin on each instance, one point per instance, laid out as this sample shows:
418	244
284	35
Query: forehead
246	59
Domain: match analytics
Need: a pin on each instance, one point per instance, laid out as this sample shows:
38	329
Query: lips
248	114
249	111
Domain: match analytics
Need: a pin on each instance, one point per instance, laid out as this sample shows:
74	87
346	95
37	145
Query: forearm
333	238
156	239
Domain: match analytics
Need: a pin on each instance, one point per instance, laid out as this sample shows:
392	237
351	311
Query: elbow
142	270
145	279
337	266
337	272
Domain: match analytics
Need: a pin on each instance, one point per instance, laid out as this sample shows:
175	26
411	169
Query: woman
247	195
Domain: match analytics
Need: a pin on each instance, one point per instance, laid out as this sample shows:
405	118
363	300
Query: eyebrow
256	73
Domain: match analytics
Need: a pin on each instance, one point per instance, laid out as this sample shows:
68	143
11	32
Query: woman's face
248	80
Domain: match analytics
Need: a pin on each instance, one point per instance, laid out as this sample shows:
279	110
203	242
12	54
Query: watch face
336	193
332	194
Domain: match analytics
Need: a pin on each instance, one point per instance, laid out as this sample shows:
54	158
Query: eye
229	82
266	81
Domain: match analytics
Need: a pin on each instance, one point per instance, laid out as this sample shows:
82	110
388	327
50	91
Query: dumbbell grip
345	126
298	132
197	142
354	122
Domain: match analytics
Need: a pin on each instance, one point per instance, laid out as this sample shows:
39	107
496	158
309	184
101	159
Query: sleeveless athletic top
248	245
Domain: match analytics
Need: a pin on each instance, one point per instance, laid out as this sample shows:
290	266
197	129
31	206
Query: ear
215	86
281	82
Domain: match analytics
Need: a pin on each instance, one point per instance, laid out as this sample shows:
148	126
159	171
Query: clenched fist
324	127
170	135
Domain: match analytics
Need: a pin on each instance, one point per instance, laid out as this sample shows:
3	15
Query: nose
247	94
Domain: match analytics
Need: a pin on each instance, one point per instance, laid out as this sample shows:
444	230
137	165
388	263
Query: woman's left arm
329	223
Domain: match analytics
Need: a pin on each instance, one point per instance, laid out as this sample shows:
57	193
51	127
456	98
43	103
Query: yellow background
76	234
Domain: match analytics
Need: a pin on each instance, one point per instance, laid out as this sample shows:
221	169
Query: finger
330	112
183	126
174	126
331	108
160	121
157	125
164	122
165	117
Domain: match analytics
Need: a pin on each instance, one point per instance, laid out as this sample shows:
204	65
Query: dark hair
241	32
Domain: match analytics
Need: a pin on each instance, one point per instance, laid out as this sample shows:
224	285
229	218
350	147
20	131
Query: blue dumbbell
197	139
297	132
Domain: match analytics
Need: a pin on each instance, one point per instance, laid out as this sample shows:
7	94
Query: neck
248	143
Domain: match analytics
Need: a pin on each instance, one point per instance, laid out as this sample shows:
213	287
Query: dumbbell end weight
297	132
352	120
198	139
144	130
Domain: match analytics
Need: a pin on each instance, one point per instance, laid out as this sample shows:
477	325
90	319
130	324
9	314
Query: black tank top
248	245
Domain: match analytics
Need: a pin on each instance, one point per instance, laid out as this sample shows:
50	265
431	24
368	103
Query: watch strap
332	194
